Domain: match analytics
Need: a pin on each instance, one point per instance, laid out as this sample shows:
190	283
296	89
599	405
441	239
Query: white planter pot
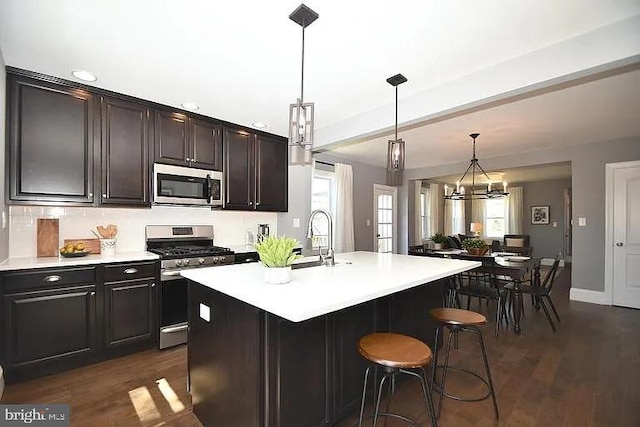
277	275
437	246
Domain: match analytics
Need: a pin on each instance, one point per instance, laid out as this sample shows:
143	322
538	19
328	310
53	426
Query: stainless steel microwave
177	185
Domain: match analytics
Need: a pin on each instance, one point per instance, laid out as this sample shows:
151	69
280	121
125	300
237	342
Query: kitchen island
286	355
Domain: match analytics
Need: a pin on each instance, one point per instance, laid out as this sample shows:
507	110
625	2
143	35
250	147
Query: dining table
518	268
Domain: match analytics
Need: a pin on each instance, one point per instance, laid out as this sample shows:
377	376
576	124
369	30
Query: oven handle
175	329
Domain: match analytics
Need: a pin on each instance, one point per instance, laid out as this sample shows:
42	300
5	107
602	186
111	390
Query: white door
626	235
385	217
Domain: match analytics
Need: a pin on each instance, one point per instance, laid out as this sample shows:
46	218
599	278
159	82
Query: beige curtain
514	211
344	230
435	201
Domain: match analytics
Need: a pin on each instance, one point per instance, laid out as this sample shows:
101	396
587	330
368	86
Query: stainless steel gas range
181	247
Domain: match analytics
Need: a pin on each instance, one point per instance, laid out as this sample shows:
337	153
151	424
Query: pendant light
395	149
490	191
301	113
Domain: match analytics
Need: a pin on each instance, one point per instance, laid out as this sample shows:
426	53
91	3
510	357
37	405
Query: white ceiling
240	61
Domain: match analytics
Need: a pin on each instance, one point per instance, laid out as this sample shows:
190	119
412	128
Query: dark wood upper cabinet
186	141
206	145
171	138
51	137
255	171
125	153
271	174
239	169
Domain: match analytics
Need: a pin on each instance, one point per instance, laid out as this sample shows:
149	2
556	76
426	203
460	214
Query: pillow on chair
453	242
510	241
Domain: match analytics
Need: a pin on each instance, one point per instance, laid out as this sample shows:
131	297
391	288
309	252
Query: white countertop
58	261
315	291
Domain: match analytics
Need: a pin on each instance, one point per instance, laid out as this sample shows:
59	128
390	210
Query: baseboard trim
586	295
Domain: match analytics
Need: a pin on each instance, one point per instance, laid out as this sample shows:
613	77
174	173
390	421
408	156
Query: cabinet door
206	145
271	174
45	329
125	145
129	312
171	138
238	170
51	132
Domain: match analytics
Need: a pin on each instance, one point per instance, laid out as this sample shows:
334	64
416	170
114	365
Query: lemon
80	247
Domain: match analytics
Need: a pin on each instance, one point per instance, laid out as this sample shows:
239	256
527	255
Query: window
495	221
425	213
457	216
322	197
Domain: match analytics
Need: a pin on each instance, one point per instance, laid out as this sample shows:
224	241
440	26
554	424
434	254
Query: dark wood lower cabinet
61	318
129	309
250	368
48	329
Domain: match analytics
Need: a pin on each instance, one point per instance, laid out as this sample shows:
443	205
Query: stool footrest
436	387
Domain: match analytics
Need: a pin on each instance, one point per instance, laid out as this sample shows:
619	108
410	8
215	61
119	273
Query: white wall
75	223
4	231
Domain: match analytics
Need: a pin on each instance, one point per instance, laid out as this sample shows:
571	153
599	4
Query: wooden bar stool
457	320
396	354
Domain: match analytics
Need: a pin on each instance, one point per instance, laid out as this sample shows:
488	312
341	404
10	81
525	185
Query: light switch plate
205	312
555	223
582	222
296	222
368	223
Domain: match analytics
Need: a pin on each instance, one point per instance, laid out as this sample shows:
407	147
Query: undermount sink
313	262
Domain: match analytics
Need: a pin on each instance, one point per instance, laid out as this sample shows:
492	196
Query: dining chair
540	293
517	243
483	283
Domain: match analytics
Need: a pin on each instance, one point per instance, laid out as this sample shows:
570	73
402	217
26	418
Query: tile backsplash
75	223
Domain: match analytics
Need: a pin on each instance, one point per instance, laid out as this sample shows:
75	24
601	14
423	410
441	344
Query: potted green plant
475	246
438	240
276	255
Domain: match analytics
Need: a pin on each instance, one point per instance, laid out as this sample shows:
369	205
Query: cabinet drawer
129	271
48	278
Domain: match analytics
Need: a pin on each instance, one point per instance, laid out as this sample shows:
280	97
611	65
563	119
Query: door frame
394	239
608	237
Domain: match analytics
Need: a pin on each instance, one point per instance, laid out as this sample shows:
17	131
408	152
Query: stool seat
456	316
394	350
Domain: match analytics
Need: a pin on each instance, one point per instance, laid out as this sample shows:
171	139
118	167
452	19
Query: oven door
178	185
173	310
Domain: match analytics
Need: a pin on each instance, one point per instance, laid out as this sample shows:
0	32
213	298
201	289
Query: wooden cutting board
48	235
91	245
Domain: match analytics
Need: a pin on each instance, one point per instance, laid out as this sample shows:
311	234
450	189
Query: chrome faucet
329	259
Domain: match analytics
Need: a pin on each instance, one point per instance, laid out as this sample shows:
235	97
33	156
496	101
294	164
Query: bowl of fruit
74	251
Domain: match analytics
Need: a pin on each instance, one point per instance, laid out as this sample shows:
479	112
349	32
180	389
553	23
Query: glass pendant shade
395	155
300	133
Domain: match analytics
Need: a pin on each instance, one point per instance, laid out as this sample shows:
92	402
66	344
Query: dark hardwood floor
586	374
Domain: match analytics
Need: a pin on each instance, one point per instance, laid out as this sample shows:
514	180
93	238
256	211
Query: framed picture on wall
539	215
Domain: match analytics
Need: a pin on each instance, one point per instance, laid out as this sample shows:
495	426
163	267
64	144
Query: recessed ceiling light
190	106
84	75
258	125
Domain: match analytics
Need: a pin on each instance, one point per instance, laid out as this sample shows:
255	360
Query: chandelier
395	150
491	191
301	113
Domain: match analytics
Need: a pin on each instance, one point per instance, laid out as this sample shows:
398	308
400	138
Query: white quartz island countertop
357	277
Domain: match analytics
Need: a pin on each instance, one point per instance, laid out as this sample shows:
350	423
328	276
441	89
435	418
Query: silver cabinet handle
619	244
188	159
52	278
130	271
90	195
153	285
93	294
104	195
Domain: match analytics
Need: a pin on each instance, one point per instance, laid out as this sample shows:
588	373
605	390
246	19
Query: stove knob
216	259
178	262
201	261
222	258
186	262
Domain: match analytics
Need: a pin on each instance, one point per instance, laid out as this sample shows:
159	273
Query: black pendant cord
302	72
396	128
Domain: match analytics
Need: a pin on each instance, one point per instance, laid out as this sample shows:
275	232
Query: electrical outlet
555	223
368	223
296	222
205	312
